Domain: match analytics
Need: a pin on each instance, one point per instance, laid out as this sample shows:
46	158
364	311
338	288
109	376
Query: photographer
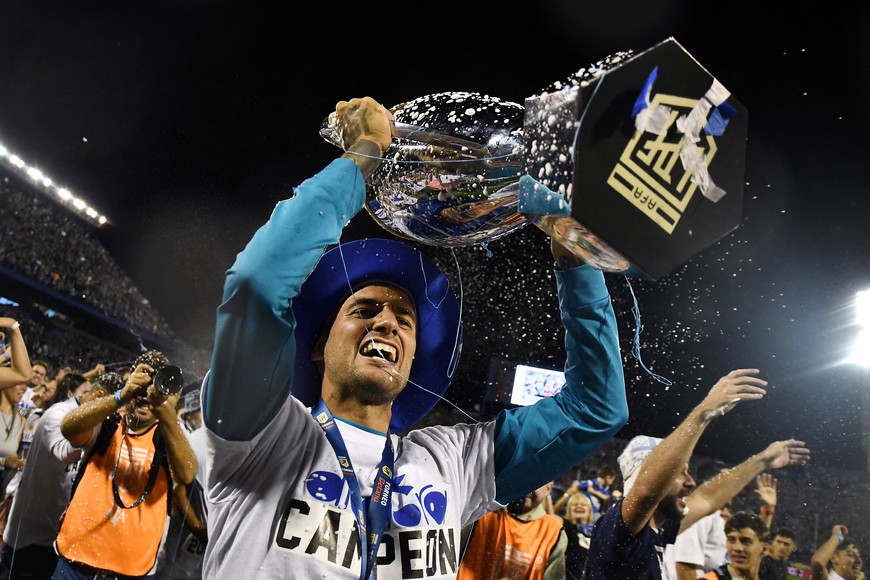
134	450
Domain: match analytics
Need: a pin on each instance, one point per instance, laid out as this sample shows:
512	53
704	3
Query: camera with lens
168	380
515	507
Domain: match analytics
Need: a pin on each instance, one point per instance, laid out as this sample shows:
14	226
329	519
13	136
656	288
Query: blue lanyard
377	510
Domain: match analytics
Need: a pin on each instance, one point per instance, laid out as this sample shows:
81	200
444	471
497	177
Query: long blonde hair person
575	512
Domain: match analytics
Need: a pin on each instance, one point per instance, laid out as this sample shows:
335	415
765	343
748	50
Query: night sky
186	121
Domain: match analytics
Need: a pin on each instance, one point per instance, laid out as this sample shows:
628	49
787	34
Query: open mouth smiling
376	349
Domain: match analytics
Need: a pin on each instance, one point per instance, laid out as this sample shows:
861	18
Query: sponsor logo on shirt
416	545
330	535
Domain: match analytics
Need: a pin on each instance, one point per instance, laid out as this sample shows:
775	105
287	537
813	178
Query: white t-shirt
46	481
279	503
702	544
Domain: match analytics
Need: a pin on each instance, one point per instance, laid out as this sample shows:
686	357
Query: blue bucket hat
439	326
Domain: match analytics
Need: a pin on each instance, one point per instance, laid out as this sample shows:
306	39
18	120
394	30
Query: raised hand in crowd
765	489
18	370
837	558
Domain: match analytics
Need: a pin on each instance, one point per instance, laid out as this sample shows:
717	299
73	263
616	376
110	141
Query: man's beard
669	508
376	391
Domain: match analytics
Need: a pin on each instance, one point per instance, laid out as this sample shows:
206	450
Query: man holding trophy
321	359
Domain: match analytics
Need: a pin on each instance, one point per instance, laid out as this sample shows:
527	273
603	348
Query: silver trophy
627	163
452	176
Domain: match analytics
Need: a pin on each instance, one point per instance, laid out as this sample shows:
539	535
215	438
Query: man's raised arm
251	371
671	457
535	444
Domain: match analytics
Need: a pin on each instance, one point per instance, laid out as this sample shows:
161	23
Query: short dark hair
746	519
607	471
110	381
42	363
67	385
786	533
153	358
844	545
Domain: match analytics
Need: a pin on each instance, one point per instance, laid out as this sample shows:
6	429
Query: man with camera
134	450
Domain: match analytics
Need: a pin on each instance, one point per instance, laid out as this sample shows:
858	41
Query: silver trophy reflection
469	168
452	176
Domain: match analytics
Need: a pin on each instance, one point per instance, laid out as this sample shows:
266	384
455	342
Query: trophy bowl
626	163
452	176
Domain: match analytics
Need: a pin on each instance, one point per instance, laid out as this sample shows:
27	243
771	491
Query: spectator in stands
46	482
63	371
43	394
192	416
838	558
70	388
577	523
20	369
133	454
746	535
701	546
72	261
10	444
598	490
774	563
560	504
40	372
41	397
40	401
765	489
628	540
40	376
521	541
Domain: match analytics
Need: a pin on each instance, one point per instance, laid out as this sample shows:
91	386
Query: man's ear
317	350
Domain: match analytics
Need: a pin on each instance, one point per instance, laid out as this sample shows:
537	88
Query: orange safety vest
502	546
98	533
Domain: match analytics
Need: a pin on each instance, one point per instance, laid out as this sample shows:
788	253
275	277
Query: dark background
184	122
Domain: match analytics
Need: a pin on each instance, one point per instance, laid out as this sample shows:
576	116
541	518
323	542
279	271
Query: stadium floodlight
35	174
861	350
78	205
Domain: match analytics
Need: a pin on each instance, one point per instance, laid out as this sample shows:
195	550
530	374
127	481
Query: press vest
505	547
97	532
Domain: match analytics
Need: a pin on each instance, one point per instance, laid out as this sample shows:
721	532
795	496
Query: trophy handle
331	133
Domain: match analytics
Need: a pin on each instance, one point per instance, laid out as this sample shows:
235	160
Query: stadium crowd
49	246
